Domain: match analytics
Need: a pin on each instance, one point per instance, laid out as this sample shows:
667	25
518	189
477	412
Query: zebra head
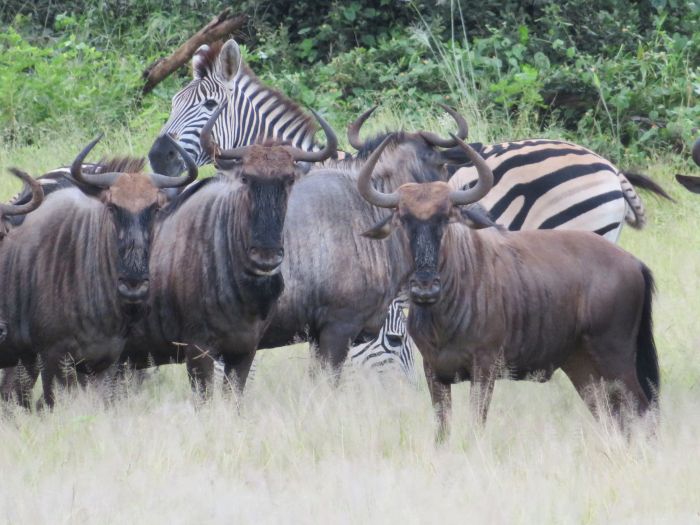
253	111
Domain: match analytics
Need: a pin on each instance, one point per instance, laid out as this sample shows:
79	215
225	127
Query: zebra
539	183
254	111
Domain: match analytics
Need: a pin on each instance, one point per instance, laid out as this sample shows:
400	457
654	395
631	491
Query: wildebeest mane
180	199
118	164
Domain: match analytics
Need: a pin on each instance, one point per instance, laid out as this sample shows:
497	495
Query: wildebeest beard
425	238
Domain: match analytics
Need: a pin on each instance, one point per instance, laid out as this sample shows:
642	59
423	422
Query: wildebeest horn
100	180
162	181
211	147
37	195
317	156
696	152
354	129
364	181
462	132
483	184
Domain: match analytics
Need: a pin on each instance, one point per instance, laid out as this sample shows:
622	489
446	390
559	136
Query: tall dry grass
298	450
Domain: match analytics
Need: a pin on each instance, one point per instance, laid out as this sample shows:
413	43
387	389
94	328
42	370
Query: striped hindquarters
549	184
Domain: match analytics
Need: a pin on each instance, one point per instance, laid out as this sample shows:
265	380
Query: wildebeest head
266	173
416	153
422	212
37	197
131	200
692	183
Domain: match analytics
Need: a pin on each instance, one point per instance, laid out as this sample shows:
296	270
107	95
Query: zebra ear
229	61
201	64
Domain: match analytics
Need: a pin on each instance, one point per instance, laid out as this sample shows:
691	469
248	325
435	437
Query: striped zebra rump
549	184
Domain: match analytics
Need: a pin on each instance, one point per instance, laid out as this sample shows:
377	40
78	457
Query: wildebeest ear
474	215
228	64
689	183
382	229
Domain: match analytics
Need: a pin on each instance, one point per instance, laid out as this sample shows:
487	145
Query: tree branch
221	26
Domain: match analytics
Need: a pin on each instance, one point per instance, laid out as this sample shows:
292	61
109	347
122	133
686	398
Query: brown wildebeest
692	183
83	267
226	234
8	211
493	303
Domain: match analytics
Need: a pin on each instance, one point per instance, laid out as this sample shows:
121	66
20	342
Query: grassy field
298	450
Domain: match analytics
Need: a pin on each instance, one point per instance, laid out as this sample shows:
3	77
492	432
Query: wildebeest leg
583	374
19	381
200	369
58	366
441	396
236	369
614	360
334	344
480	393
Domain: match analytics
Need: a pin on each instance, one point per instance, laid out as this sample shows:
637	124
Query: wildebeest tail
636	215
647	359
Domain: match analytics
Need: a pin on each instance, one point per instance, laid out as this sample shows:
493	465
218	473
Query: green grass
299	450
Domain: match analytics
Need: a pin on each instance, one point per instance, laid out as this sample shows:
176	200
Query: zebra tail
647	358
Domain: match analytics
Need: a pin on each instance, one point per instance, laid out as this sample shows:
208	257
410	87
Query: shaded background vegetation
609	74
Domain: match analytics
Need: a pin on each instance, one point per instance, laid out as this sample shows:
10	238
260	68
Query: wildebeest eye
244	179
210	103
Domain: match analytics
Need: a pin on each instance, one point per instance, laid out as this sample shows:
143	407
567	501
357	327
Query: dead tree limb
221	26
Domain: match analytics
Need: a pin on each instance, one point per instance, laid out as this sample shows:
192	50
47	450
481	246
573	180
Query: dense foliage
622	70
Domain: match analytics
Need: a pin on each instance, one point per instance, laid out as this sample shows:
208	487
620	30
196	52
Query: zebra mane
204	66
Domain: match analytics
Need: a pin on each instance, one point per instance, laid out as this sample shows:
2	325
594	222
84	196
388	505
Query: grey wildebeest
227	232
83	267
689	182
13	210
491	303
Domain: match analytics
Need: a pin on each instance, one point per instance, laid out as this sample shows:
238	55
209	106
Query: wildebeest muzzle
133	290
265	260
424	288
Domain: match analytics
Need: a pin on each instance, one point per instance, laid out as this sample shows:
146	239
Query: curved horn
37	195
317	156
696	152
213	149
99	180
161	181
483	184
462	131
354	129
364	181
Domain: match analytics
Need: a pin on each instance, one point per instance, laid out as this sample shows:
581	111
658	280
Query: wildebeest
226	234
689	182
80	273
14	210
491	303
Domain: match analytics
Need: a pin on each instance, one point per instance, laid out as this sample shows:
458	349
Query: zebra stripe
546	184
254	111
